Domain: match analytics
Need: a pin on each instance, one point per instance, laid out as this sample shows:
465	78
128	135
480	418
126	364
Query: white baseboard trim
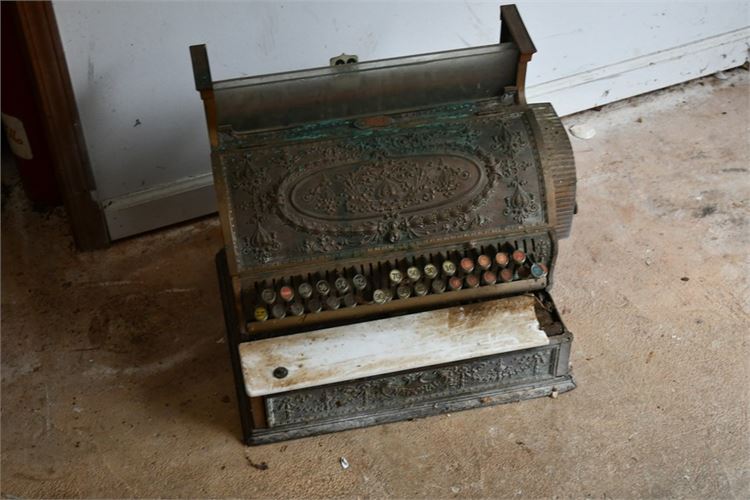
646	73
160	206
193	197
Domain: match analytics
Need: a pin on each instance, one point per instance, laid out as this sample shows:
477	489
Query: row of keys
387	282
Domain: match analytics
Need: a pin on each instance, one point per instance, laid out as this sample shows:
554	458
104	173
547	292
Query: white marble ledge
390	345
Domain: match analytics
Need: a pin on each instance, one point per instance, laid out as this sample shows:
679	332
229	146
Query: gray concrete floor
116	381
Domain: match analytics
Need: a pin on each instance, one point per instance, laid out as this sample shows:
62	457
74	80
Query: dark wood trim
201	68
513	30
42	44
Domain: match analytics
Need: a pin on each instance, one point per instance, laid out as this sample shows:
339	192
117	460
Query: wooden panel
390	345
62	126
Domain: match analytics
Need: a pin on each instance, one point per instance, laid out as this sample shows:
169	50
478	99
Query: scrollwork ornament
507	143
520	204
394	184
261	244
323	243
411	388
542	250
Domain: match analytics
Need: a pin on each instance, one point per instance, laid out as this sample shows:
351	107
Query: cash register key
297	309
519	257
438	286
420	289
403	291
342	285
313	305
430	271
472	281
506	275
349	300
523	272
455	283
323	287
413	273
489	278
449	268
360	282
305	290
333	302
484	262
268	296
538	270
467	265
395	276
260	313
502	259
379	296
286	293
278	311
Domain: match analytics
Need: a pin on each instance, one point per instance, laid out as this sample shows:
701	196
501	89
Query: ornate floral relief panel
411	388
338	187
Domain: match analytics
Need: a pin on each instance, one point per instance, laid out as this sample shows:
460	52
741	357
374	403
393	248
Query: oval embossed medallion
362	192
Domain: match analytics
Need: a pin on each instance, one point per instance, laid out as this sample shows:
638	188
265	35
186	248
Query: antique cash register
391	231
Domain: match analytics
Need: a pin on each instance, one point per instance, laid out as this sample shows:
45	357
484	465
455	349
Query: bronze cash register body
386	189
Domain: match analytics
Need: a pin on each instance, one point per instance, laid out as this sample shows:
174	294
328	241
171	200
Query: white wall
143	120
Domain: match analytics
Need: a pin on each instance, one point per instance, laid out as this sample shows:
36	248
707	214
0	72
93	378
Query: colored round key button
467	265
484	262
286	293
489	278
455	283
260	313
502	259
538	270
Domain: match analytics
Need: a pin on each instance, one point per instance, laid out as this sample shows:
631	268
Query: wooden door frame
54	93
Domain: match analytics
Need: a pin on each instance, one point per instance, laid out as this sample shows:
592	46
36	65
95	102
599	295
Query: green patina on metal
339	127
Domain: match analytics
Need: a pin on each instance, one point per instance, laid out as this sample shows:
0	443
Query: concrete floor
116	381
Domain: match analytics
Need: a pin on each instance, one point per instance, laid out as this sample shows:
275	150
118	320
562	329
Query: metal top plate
365	88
